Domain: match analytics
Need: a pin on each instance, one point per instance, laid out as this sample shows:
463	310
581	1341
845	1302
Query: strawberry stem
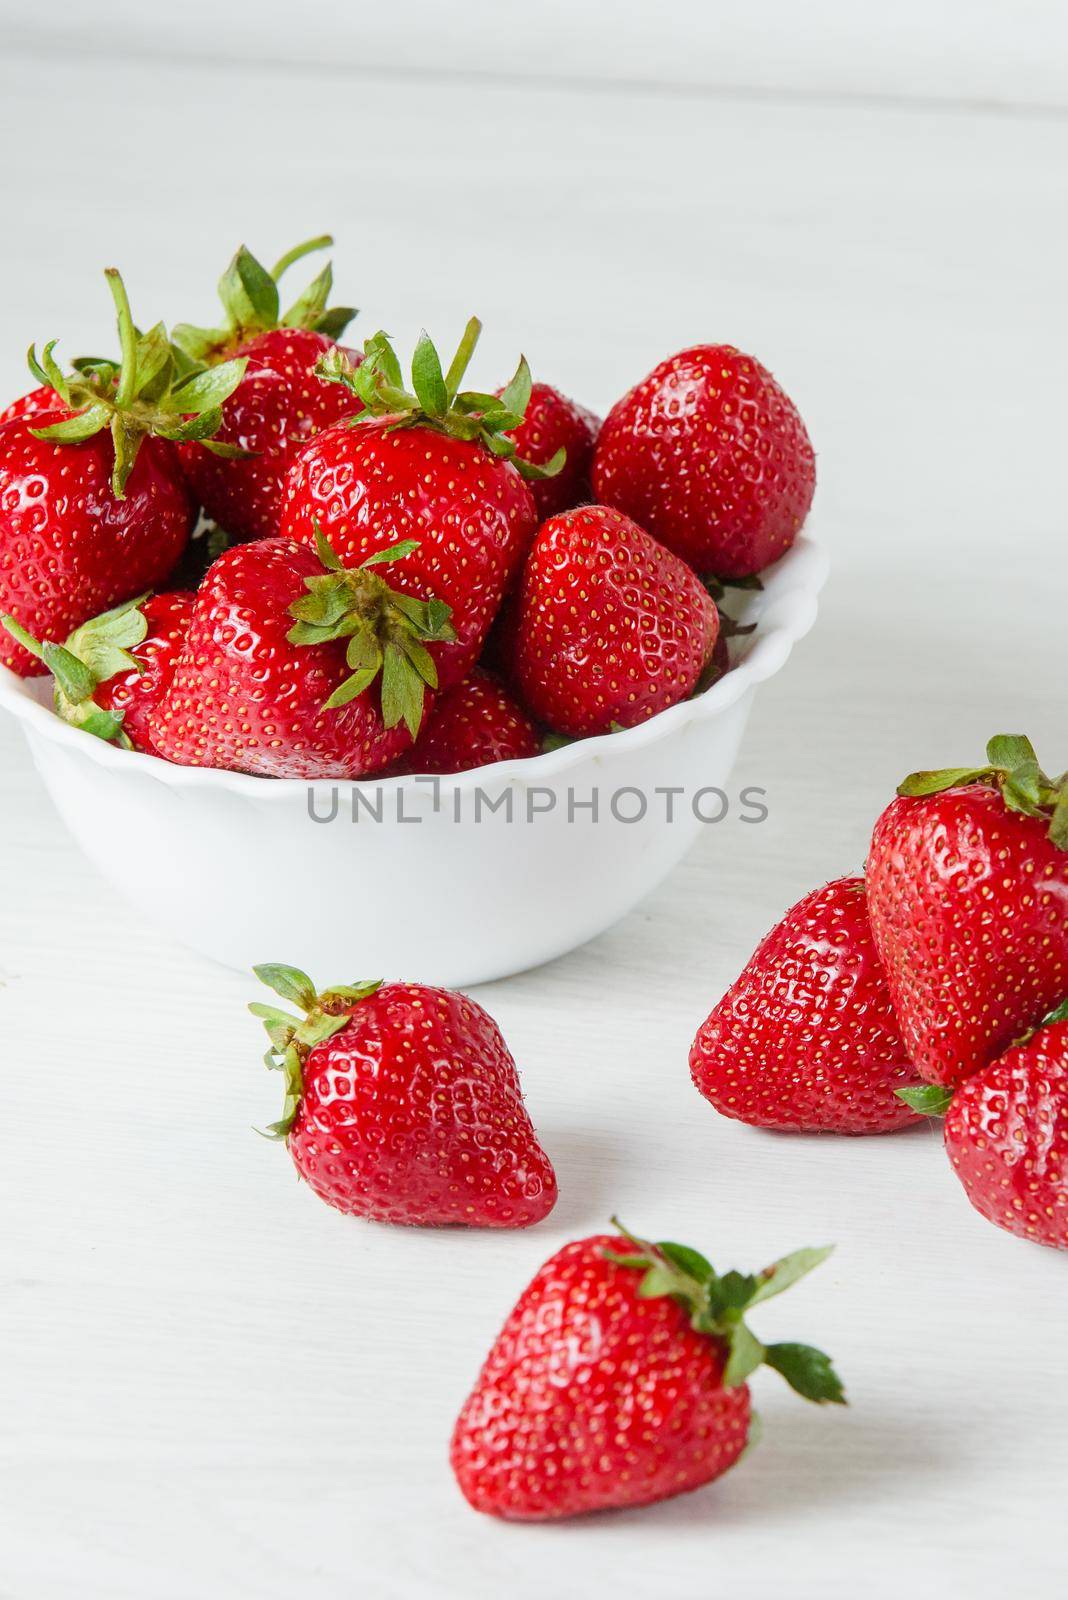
716	1305
293	1038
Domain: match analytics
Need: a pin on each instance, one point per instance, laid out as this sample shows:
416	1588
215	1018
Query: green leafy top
717	1304
436	399
292	1038
387	631
94	652
1012	766
149	390
251	302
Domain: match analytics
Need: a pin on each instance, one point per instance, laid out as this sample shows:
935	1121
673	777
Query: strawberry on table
403	1105
93	505
608	627
619	1379
473	725
113	671
711	455
553	423
437	466
294	667
280	402
1006	1133
967	879
806	1038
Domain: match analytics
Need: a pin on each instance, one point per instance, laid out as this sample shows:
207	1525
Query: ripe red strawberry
93	506
553	423
967	880
609	627
114	670
403	1105
1006	1133
437	466
473	725
619	1379
806	1038
294	667
279	402
712	457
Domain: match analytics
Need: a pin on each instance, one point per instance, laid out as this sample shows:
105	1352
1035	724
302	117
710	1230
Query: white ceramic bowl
451	880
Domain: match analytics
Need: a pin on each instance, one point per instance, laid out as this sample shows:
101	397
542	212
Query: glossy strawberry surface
278	404
609	627
471	515
553	422
243	697
593	1397
413	1113
806	1038
969	908
476	723
69	548
137	693
711	456
1006	1133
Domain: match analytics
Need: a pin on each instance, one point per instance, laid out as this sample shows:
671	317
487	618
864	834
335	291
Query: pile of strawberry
621	1375
251	547
947	961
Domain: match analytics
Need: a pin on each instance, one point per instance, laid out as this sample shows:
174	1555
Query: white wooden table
214	1386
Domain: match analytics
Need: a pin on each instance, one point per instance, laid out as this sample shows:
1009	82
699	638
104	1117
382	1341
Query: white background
213	1385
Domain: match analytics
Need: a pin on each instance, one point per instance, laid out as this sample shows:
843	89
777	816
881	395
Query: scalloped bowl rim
796	577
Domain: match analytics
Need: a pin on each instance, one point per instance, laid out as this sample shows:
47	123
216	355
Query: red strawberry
1006	1133
968	895
609	627
296	668
553	423
279	403
474	725
437	466
806	1038
93	507
403	1105
114	670
619	1379
712	457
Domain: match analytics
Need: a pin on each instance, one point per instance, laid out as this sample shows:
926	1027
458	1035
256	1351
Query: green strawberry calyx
717	1304
252	304
293	1038
95	652
387	631
1012	766
149	390
436	400
928	1099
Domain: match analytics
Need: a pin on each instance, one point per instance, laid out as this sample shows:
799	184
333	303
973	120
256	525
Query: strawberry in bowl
94	508
279	403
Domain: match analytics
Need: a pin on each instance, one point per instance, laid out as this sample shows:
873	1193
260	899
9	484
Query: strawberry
806	1038
113	670
620	1379
294	667
473	725
712	457
553	423
279	402
437	466
93	507
1006	1133
609	627
967	881
403	1105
